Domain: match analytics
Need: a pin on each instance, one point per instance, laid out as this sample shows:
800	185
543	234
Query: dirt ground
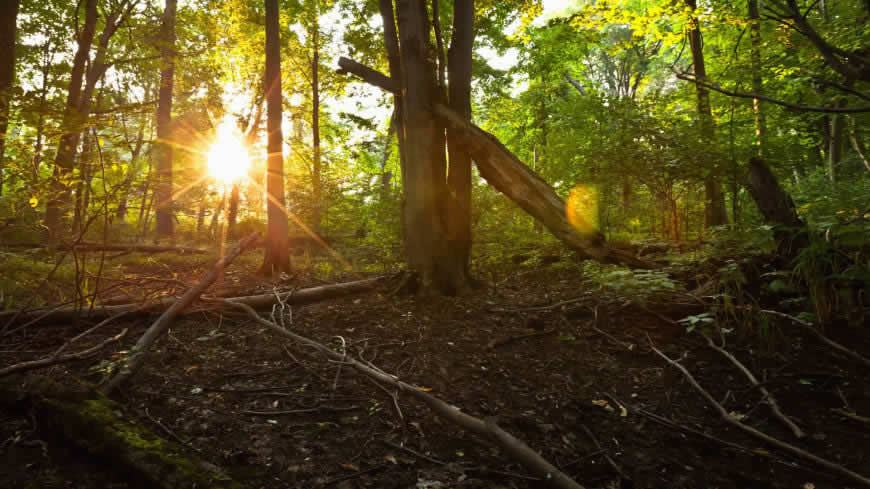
578	382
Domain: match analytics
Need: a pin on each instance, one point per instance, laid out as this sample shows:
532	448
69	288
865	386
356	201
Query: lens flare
228	159
582	208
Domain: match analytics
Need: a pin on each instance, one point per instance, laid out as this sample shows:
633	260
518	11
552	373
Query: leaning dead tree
505	172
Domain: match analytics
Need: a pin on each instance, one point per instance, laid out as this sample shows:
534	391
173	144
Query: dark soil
577	382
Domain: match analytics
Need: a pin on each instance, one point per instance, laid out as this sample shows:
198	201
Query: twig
756	433
299	411
138	353
54	359
413	452
607	457
818	334
768	397
170	432
488	429
89	331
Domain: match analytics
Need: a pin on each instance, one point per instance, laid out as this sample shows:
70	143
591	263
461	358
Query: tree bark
72	117
777	208
714	204
165	225
459	63
8	22
277	256
424	181
835	142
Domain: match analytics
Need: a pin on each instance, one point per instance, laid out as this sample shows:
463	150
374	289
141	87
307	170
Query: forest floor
576	381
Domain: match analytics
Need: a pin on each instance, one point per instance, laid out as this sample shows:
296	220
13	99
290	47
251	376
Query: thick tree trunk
777	208
459	174
63	160
316	178
424	184
714	204
8	22
233	209
163	150
277	256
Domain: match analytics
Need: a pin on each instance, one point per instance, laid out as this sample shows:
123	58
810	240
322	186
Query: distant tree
163	149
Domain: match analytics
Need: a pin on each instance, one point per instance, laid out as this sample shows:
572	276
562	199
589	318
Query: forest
434	244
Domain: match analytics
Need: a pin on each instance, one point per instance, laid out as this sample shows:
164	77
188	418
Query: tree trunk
277	255
63	160
424	184
233	209
777	208
459	174
162	149
714	199
757	82
8	22
316	178
835	142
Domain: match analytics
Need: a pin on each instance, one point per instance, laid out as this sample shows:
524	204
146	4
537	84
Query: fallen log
292	298
488	429
504	171
91	423
136	358
86	246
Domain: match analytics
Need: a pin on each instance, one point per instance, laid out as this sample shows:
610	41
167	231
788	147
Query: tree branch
797	107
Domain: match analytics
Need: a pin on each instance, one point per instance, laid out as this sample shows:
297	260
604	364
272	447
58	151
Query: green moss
93	424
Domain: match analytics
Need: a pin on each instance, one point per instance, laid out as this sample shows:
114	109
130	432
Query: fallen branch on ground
293	298
723	413
488	429
56	359
818	334
137	355
768	397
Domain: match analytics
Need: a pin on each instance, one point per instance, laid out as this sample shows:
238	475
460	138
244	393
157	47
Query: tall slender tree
163	149
277	257
63	162
459	61
8	22
316	177
714	203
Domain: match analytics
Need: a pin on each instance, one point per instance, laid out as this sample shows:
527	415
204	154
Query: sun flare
228	159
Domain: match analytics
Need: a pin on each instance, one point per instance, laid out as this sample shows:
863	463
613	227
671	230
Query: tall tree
459	61
277	256
757	81
8	22
714	199
71	117
163	150
317	182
